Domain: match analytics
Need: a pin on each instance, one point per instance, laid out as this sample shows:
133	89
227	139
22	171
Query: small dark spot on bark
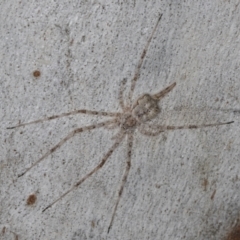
213	194
31	199
205	184
36	73
234	234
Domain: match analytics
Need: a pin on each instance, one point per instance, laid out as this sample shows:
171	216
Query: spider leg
99	166
120	95
160	95
124	179
84	111
156	130
137	71
69	136
112	125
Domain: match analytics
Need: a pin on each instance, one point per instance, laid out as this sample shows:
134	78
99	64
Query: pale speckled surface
83	51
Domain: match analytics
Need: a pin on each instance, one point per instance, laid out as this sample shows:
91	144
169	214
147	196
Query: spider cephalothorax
127	122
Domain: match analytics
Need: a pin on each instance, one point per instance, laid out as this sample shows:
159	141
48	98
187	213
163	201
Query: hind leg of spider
137	71
83	111
124	179
99	166
69	136
156	130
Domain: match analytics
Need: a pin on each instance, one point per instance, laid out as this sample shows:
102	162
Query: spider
135	115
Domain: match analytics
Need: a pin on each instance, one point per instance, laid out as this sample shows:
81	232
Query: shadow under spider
134	115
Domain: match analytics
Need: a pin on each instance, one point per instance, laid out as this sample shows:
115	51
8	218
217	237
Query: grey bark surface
183	184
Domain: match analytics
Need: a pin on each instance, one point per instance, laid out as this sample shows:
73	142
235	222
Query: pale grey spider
134	116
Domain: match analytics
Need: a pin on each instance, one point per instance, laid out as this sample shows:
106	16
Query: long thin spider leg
99	166
160	95
70	135
124	179
84	111
156	130
120	96
112	125
137	71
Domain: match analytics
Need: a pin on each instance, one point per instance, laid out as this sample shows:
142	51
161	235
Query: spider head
145	108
